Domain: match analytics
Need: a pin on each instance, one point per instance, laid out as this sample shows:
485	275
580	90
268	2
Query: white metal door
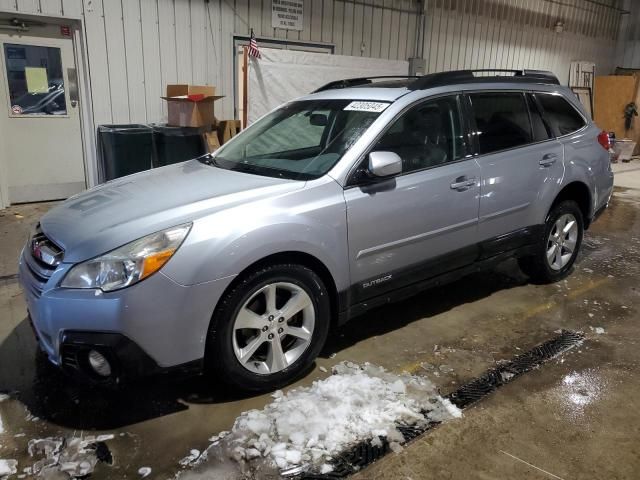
39	120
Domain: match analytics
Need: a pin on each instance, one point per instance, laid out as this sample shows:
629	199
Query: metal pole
245	81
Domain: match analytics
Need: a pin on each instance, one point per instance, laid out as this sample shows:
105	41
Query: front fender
311	221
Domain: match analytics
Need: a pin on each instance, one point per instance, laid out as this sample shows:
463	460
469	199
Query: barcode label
367	106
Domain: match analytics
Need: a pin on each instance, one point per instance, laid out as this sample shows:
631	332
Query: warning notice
287	14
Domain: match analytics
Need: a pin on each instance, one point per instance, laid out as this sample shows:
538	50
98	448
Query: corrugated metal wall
628	51
520	34
135	47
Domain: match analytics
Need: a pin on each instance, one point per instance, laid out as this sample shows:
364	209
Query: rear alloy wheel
269	328
562	240
559	245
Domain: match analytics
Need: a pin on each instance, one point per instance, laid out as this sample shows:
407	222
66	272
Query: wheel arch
298	258
578	192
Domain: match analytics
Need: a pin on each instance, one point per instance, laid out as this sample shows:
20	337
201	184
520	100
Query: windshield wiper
209	159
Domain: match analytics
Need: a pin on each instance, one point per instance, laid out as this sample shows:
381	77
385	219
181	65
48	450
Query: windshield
302	140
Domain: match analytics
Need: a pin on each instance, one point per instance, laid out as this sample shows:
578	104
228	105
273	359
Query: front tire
558	248
269	328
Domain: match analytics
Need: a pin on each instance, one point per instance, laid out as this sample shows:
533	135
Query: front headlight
128	264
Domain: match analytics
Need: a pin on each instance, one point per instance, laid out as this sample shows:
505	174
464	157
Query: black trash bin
124	149
177	144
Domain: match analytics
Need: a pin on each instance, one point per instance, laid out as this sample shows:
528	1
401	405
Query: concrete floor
628	173
575	417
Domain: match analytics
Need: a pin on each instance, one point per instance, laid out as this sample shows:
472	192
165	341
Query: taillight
603	139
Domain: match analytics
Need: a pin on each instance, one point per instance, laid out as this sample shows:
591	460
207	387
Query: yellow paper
37	81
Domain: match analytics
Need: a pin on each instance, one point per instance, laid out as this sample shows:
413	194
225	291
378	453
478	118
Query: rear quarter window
562	117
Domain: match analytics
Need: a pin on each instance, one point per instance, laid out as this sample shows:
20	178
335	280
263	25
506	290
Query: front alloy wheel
273	328
269	328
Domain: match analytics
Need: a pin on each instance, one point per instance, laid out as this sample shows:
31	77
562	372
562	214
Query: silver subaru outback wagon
239	262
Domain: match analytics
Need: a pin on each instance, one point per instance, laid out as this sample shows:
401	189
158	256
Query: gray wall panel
628	52
136	47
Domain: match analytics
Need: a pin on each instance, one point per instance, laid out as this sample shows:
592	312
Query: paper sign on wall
287	14
37	81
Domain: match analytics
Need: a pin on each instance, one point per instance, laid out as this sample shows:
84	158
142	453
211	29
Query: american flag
253	47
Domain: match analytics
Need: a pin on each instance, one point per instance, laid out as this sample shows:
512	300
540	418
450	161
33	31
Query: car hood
118	212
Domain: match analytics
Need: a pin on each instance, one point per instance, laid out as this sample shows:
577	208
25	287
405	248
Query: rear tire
558	248
269	328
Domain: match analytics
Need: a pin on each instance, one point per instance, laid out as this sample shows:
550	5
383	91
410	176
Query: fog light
99	363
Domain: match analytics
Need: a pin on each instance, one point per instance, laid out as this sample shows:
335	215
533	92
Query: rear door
423	221
579	140
519	160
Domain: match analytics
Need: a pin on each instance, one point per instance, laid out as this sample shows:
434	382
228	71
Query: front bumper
149	327
126	359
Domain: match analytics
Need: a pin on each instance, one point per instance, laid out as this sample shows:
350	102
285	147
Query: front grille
45	255
41	258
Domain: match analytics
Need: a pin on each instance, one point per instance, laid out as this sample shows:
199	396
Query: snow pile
74	456
144	471
192	457
3	397
309	425
7	467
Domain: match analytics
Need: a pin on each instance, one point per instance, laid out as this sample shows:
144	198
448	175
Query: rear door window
560	114
502	120
539	128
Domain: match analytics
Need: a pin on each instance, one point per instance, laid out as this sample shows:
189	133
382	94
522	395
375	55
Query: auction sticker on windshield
367	106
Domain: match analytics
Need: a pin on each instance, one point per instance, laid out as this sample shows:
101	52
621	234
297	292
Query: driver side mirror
384	164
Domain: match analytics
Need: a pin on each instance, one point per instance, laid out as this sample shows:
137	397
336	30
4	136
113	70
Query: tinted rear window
502	120
540	132
562	117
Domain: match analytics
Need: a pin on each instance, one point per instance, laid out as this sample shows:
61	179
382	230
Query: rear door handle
548	159
463	183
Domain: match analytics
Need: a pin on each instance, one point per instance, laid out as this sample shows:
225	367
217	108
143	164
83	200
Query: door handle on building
72	77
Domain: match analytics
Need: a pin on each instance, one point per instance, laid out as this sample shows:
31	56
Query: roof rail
354	82
471	76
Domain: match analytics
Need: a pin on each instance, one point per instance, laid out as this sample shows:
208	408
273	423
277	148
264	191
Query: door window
564	118
428	135
539	129
502	120
34	77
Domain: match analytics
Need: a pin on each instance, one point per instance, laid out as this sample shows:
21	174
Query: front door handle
463	183
548	159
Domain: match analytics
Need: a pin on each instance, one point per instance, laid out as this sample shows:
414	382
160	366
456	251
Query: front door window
428	135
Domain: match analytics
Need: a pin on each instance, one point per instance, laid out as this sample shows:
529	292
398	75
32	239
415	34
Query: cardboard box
624	149
227	129
190	105
211	139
